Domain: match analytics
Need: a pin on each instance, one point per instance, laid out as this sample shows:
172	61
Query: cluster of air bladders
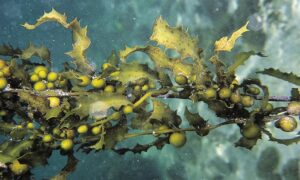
80	108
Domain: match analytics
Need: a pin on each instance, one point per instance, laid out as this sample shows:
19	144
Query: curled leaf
178	39
4	158
295	94
69	167
286	142
239	59
174	38
8	50
123	54
51	16
226	44
37	157
80	44
161	60
164	79
246	143
196	121
133	72
159	114
12	150
33	50
139	148
53	113
113	59
290	77
19	72
34	101
80	39
161	111
97	105
115	134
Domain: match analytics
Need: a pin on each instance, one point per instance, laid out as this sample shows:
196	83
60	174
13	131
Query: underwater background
274	26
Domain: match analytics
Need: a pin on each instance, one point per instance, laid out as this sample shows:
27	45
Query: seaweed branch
42	110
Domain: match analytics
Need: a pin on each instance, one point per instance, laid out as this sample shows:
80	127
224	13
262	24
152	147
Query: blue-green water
116	23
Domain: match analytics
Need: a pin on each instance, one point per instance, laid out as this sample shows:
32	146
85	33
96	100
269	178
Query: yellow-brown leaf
226	44
175	38
80	39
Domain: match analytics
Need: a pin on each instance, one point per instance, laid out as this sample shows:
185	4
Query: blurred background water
113	24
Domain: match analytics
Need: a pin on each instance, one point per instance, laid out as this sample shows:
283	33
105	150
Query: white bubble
99	109
255	22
